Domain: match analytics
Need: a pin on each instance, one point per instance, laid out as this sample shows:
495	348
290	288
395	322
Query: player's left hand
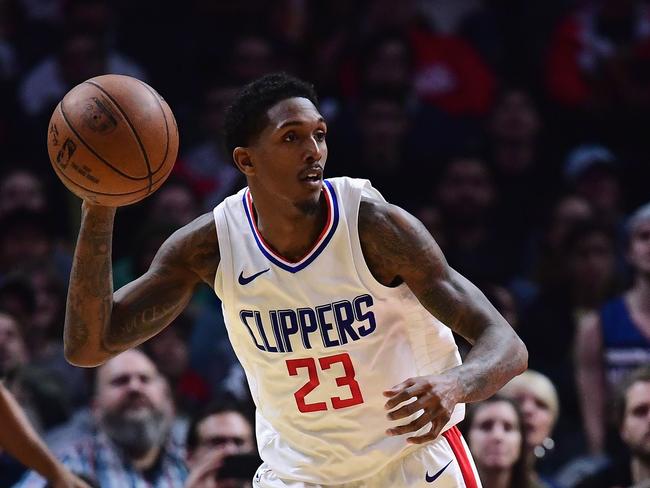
437	395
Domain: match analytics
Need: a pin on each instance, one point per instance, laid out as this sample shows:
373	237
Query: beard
136	432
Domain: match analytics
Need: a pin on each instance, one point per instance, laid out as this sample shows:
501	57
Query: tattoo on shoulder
392	241
198	245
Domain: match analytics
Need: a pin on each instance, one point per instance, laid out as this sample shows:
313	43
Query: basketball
112	140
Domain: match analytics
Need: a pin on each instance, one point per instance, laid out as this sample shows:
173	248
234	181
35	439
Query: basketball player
334	302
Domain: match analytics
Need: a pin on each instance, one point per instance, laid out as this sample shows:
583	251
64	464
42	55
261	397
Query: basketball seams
162	109
96	192
95	153
128	122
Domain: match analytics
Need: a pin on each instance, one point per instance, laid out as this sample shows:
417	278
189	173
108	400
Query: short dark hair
225	403
245	118
639	375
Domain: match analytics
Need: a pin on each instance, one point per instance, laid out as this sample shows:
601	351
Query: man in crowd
222	430
132	446
633	416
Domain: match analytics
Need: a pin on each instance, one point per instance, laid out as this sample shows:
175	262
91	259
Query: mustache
135	399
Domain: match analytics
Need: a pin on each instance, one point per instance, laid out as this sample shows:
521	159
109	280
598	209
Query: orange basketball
112	140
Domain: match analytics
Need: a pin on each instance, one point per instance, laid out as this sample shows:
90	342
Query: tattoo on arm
397	247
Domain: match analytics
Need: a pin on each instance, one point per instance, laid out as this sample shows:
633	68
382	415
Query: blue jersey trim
297	267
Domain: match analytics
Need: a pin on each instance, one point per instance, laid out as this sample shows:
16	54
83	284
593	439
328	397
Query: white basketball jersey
320	339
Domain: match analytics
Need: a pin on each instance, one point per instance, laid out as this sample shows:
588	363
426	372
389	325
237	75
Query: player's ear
242	159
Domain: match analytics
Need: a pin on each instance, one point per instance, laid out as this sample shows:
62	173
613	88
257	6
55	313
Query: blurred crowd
515	130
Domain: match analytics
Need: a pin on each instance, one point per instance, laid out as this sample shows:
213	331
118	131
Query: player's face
635	430
495	436
639	251
288	157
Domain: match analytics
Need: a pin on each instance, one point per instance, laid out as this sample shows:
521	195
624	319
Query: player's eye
289	137
320	136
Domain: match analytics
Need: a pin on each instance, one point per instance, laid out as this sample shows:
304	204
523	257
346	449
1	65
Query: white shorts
445	463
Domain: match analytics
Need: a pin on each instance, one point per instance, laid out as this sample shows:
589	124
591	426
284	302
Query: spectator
612	340
206	165
13	351
176	204
550	323
221	430
21	188
496	437
537	398
593	173
133	414
633	425
169	350
467	198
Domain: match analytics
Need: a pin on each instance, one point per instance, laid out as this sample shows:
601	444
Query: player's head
633	412
277	136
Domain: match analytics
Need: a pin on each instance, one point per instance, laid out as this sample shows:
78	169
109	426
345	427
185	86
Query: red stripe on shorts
454	439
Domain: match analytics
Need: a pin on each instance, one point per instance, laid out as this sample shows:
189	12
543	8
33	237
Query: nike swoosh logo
431	479
246	280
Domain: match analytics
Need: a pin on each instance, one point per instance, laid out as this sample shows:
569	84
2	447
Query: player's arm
99	323
397	247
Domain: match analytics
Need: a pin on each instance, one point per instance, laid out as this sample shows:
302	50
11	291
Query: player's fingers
437	424
397	388
405	410
402	396
414	426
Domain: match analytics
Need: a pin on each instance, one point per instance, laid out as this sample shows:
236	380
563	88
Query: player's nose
312	150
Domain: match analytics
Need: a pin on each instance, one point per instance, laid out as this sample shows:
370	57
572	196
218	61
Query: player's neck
290	229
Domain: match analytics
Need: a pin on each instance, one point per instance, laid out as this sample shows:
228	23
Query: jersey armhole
369	192
223	276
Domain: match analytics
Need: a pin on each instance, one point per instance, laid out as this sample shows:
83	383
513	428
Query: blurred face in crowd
223	434
600	188
13	352
495	436
82	57
515	118
466	192
132	403
568	211
592	262
252	57
384	124
175	204
218	436
23	245
639	247
214	106
50	303
536	410
635	430
21	189
389	65
169	350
